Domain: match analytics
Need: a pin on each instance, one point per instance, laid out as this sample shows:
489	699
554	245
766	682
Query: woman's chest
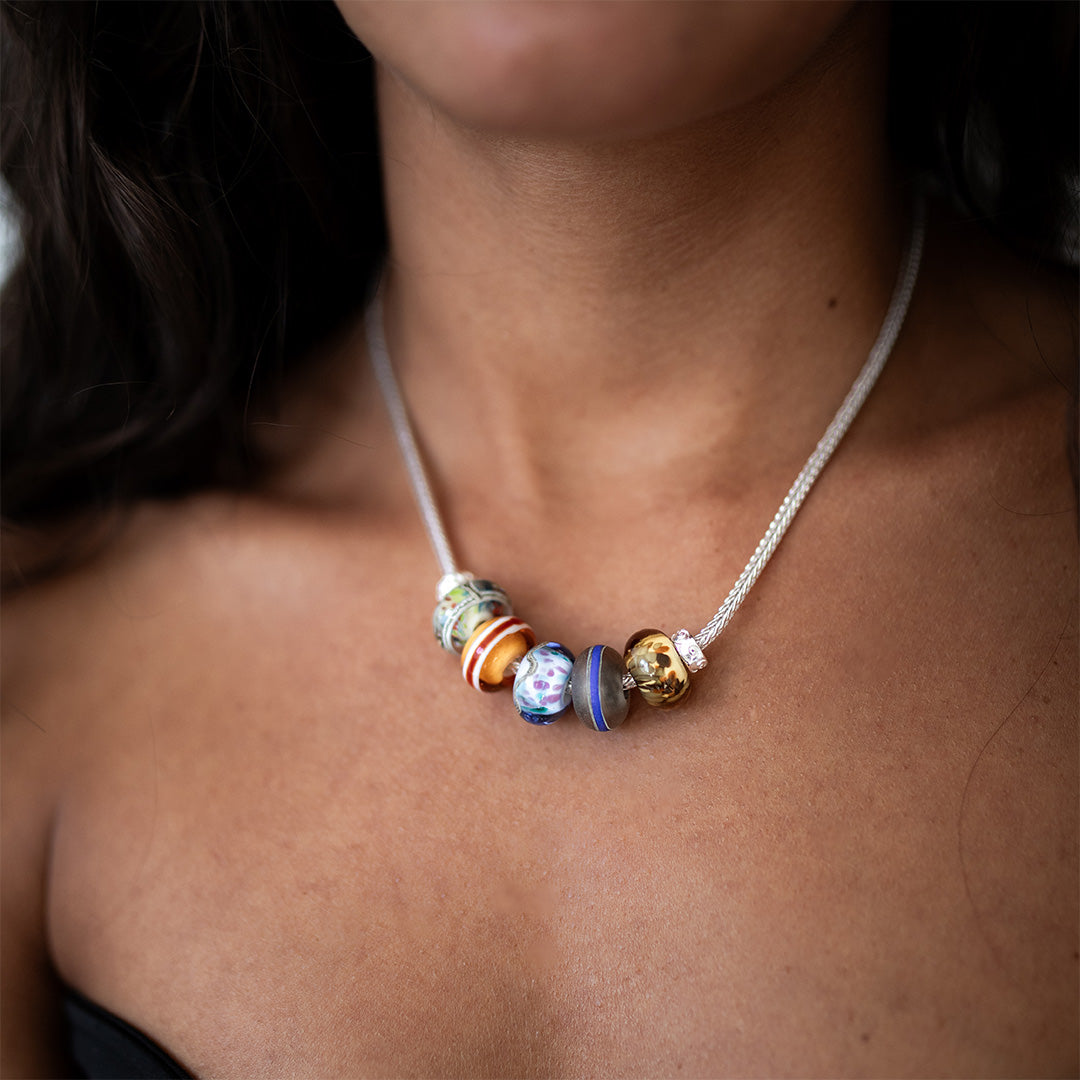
279	870
294	842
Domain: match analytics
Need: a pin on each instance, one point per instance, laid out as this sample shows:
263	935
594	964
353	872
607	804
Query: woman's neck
690	287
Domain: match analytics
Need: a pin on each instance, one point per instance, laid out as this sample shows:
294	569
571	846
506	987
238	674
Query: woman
636	256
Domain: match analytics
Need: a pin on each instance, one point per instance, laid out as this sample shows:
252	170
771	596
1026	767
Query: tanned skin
252	808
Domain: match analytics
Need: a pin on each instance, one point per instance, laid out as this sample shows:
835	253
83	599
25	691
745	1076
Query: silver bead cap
687	647
452	581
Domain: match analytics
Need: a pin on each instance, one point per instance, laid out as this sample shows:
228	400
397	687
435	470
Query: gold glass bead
656	668
492	648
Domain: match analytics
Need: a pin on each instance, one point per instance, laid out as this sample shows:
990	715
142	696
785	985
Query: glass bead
491	649
464	608
542	683
597	688
657	668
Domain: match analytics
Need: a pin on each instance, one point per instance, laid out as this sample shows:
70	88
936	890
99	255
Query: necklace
474	617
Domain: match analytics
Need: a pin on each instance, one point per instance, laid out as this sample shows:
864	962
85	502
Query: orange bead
492	648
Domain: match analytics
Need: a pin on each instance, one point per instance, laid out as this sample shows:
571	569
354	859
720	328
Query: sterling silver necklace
474	617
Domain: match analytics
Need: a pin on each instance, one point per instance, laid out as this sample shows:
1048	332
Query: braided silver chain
849	409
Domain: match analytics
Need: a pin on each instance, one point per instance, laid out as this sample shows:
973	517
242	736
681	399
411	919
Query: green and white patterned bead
464	608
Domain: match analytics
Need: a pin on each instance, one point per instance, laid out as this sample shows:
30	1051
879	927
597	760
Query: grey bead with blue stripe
596	686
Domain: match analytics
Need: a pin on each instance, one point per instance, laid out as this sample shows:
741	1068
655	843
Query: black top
104	1047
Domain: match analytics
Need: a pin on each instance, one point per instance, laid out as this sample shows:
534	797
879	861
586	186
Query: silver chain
857	395
399	417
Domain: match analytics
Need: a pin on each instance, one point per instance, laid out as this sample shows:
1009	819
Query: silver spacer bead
687	647
452	581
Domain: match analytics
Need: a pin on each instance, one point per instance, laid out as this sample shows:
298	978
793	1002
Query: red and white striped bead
491	650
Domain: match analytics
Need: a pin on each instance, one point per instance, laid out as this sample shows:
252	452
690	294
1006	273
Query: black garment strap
104	1046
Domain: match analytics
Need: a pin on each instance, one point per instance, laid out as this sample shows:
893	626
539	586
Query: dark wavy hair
198	193
196	185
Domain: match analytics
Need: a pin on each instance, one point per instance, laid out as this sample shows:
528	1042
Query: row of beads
474	618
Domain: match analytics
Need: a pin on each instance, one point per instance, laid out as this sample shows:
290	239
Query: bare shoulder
50	678
29	1010
989	420
995	329
59	629
985	396
981	446
174	564
991	423
968	518
71	637
179	589
70	660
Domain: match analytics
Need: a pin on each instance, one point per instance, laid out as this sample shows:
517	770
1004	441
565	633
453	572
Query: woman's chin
591	70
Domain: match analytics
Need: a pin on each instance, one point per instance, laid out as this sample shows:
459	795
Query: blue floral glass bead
464	608
542	683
